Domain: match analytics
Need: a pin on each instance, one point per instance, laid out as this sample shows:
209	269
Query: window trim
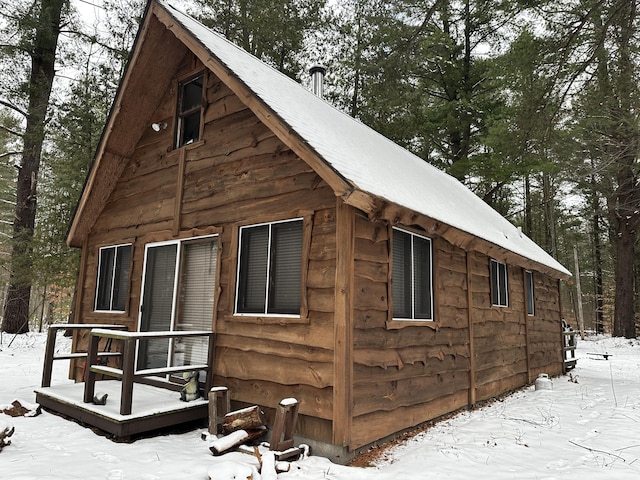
113	279
302	315
180	115
412	319
530	291
496	293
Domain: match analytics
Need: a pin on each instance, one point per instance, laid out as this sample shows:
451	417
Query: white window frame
501	297
113	277
264	313
176	284
413	286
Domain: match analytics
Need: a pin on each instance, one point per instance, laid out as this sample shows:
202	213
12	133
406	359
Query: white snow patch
578	431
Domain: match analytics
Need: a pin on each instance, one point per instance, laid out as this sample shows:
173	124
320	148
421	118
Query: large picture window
270	268
189	111
528	278
113	278
412	276
499	284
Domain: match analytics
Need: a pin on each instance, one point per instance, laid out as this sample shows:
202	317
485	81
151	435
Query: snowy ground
585	430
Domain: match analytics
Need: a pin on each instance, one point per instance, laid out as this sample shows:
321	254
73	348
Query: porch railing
50	348
569	348
128	374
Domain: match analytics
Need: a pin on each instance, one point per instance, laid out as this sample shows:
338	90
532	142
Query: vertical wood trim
435	280
177	208
307	226
343	324
390	274
526	322
218	290
79	307
233	260
472	350
81	282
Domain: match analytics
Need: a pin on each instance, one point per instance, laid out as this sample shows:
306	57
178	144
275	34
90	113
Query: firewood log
232	440
244	419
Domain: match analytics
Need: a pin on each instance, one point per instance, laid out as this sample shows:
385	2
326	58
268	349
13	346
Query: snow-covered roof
366	159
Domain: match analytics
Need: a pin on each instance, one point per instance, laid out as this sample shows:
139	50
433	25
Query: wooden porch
138	400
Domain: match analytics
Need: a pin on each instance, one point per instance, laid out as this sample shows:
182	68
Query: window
178	293
412	276
270	269
113	278
499	286
528	278
189	111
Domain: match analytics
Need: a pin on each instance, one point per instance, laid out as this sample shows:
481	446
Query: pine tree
39	42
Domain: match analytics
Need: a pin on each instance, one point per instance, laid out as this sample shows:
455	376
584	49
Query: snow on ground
587	430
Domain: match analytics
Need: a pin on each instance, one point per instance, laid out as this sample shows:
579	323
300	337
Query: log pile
239	427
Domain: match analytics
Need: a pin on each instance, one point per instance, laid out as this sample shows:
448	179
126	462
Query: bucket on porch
543	382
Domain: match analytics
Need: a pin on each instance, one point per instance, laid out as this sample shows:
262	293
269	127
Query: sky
585	428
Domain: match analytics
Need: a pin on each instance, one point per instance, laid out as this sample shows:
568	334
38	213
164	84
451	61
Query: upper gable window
189	111
113	278
499	284
412	276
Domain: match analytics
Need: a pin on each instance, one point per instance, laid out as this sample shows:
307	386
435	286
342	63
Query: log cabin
333	265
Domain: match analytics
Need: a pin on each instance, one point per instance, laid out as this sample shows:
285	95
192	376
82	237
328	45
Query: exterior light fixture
159	126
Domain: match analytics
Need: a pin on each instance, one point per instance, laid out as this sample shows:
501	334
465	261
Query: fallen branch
594	450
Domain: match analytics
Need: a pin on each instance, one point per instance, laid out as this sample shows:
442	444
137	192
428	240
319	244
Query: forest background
533	104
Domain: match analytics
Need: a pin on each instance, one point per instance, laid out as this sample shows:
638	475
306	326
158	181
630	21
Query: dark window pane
189	111
286	268
105	278
494	283
190	128
123	259
252	286
157	308
191	94
401	275
502	279
530	293
499	284
422	278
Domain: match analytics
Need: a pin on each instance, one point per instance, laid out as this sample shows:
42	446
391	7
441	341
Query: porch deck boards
153	407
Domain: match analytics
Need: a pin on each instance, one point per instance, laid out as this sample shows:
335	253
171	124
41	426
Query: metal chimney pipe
317	73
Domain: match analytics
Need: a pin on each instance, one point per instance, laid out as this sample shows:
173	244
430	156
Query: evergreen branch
14	108
12	132
94	40
8	154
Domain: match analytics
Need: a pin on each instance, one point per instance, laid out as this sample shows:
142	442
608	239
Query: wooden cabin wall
545	327
405	376
240	173
499	332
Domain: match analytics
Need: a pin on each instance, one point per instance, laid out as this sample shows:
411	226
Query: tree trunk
624	318
43	53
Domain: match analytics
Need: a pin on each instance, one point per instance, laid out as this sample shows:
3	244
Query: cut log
244	419
232	440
